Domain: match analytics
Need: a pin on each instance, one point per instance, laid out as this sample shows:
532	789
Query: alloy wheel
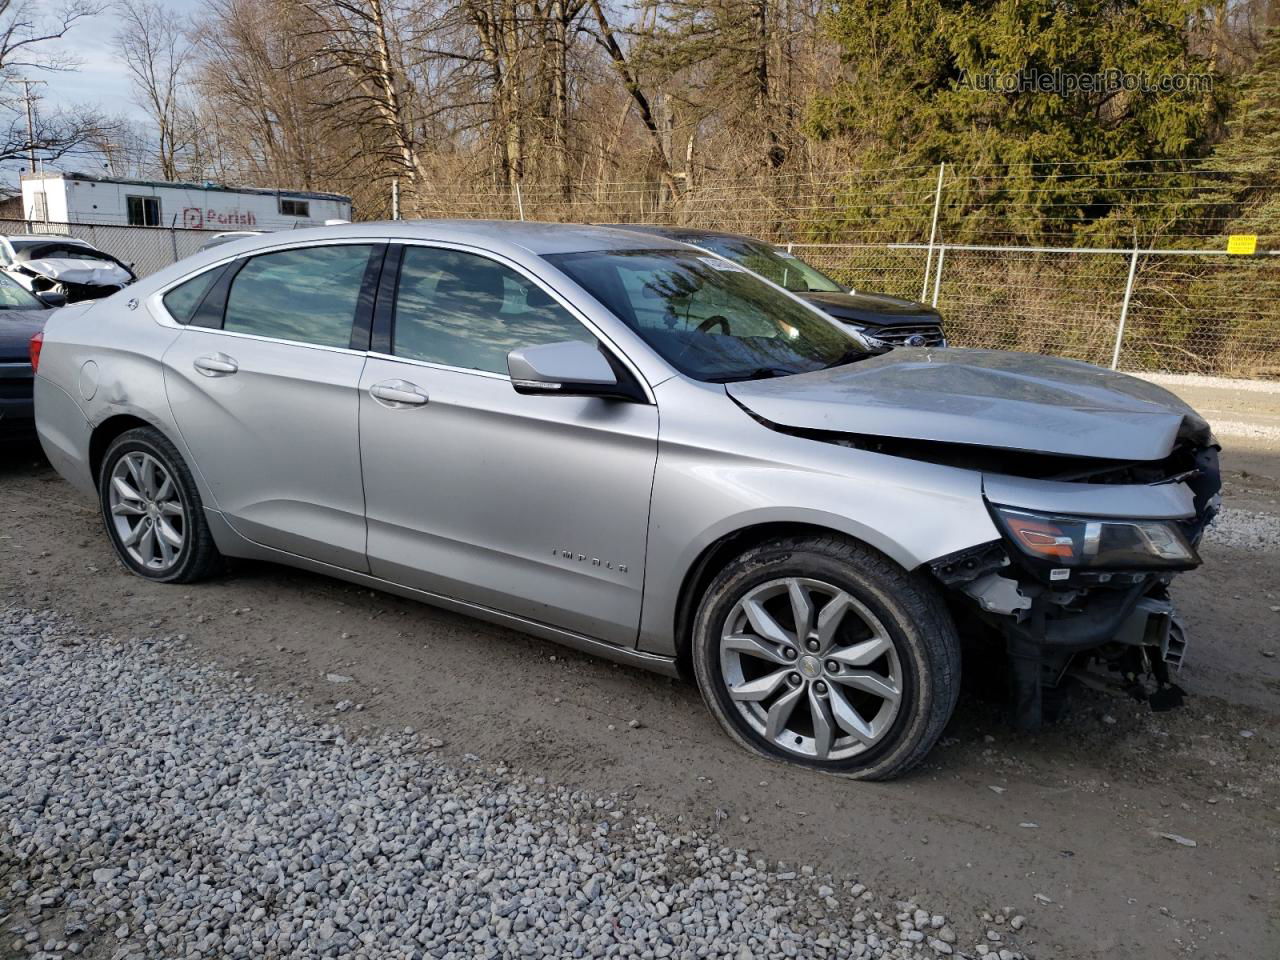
147	511
811	668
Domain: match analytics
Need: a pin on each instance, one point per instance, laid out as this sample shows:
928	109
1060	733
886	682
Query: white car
43	263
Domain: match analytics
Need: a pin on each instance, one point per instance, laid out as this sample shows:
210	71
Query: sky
102	80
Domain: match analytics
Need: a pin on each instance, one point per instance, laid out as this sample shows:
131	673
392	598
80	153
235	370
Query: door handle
398	393
216	365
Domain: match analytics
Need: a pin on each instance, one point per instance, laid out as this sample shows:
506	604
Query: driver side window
463	310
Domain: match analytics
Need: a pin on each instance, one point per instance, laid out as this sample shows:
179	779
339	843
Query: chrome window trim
288	343
431	365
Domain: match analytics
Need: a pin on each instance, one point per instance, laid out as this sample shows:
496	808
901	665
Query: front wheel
152	509
823	652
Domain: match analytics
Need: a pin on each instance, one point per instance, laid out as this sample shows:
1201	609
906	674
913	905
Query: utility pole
31	121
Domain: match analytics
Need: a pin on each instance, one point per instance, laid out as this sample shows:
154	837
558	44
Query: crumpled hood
93	273
873	308
990	398
17	327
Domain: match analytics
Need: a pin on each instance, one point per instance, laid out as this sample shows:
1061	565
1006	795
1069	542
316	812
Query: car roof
535	237
493	235
511	238
51	237
683	234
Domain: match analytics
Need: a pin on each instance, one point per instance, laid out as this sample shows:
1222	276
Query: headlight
1086	542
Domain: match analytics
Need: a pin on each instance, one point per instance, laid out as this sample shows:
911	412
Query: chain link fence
1181	311
144	249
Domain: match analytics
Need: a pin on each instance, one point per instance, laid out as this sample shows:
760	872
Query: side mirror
571	368
51	298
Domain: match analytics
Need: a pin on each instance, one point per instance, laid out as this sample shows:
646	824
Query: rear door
532	505
263	383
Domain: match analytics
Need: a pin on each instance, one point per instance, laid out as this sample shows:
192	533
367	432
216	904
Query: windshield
709	318
13	297
783	268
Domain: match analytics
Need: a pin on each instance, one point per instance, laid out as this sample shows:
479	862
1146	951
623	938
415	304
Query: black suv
883	320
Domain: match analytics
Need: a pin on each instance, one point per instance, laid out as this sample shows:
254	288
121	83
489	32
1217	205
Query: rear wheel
153	511
823	652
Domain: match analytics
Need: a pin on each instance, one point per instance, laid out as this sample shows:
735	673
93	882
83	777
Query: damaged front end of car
1098	488
1082	571
79	275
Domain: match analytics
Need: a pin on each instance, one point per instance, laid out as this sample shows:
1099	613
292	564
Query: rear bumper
17	416
17	410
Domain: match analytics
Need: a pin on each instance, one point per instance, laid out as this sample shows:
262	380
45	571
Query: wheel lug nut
812	644
832	666
789	653
820	687
793	679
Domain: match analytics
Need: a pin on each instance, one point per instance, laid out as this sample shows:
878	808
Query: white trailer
58	197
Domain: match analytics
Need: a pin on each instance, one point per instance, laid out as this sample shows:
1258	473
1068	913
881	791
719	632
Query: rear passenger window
182	300
464	310
308	295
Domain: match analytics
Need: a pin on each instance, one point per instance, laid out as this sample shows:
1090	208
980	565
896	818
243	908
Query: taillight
37	342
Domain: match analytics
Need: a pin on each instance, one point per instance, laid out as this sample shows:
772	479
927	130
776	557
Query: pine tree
918	90
1250	154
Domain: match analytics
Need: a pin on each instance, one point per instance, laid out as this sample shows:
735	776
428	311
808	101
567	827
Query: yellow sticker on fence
1242	243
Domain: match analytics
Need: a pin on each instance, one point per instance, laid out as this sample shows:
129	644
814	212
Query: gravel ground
157	807
1246	528
1178	382
1078	827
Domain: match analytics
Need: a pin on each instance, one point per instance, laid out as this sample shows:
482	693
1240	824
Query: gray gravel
1245	528
155	807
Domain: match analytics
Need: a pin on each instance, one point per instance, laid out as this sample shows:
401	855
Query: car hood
90	273
17	327
988	398
876	308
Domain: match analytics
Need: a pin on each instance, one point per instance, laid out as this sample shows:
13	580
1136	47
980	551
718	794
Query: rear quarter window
181	302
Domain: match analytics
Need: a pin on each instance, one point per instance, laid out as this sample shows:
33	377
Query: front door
266	398
532	505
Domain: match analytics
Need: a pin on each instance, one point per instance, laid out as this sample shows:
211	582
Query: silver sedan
633	447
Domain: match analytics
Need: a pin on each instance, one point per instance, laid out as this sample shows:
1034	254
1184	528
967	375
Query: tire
887	650
175	509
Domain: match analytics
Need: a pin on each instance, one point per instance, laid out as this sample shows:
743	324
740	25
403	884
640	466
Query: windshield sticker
717	263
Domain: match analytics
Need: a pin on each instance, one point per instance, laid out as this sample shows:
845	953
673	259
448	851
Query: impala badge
583	558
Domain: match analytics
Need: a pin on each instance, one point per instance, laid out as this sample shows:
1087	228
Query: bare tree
627	73
153	44
363	59
29	30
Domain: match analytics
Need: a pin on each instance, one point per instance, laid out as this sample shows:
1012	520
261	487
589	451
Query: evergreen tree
1250	154
959	81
